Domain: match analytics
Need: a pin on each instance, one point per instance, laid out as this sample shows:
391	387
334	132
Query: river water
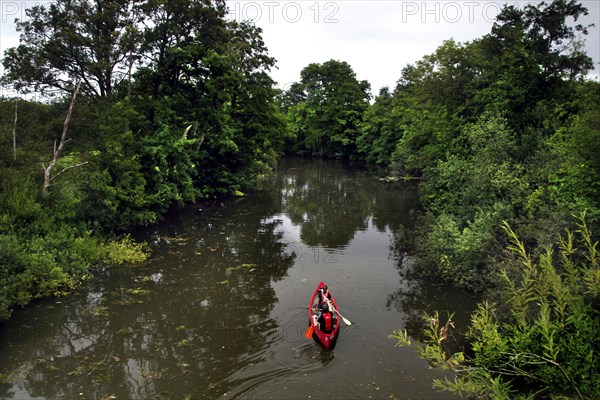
219	311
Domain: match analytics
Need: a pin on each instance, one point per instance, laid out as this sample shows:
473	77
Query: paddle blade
309	332
347	321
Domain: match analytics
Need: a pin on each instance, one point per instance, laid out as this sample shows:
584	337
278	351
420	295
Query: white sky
377	38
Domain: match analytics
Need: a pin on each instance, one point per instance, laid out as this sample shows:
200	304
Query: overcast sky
377	38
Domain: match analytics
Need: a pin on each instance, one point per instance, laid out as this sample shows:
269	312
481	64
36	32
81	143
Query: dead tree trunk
15	133
58	150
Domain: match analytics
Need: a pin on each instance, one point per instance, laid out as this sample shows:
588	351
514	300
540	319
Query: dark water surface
219	311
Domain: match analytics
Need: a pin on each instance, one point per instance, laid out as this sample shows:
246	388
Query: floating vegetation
96	311
240	267
103	377
178	240
129	296
100	311
139	292
180	328
20	372
397	178
144	279
132	301
78	371
147	374
98	369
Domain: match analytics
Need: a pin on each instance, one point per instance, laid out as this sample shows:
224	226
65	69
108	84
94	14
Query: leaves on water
139	292
241	267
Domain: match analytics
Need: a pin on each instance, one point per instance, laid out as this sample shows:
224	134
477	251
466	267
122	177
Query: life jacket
327	322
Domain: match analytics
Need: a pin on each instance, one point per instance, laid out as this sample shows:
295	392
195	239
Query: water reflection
417	297
198	310
330	204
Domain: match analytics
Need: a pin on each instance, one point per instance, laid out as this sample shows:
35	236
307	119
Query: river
219	310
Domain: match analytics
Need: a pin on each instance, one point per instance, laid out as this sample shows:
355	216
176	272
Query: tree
573	169
531	55
205	82
548	36
92	41
380	129
196	118
14	132
326	121
494	130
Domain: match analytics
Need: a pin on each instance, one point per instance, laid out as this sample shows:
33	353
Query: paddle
346	321
309	332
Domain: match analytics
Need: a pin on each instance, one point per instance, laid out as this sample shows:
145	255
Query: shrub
542	339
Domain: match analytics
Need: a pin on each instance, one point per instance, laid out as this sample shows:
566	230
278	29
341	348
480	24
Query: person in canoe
325	320
323	294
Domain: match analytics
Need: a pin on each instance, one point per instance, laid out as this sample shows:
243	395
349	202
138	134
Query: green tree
380	129
92	41
574	168
330	103
507	143
197	118
207	85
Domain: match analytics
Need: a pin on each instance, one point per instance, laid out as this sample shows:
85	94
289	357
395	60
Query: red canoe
326	339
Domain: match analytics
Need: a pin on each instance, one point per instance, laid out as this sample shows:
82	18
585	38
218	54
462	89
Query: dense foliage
540	339
501	128
175	105
325	109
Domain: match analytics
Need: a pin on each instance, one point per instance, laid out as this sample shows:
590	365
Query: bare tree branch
14	133
66	168
58	150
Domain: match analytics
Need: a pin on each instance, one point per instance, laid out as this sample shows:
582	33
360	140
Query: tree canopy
95	42
326	108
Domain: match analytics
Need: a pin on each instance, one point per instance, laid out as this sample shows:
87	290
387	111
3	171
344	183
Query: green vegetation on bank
539	340
501	130
175	104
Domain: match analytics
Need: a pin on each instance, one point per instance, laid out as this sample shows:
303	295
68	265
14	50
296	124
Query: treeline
175	104
503	128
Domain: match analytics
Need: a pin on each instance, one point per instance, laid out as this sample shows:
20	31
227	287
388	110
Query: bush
541	340
462	253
